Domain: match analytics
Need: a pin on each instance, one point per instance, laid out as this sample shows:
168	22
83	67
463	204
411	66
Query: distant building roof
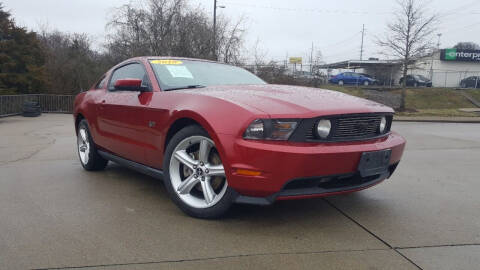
361	63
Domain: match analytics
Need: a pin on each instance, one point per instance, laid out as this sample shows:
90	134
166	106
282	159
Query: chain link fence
13	104
313	75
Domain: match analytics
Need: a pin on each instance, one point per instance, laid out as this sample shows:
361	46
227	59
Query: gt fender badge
151	124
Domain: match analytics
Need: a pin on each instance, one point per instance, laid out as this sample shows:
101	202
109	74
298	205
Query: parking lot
53	214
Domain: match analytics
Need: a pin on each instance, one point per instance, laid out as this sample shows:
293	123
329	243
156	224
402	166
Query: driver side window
130	71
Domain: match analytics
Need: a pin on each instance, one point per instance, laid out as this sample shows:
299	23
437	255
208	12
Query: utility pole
438	43
433	53
215	28
311	61
361	46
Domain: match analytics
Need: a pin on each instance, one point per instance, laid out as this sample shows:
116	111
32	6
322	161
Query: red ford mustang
217	134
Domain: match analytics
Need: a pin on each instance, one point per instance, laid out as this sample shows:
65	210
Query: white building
446	68
446	72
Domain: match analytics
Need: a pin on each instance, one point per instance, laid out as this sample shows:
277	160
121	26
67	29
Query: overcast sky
283	27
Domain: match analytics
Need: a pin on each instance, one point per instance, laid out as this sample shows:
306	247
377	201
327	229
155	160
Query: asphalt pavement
53	214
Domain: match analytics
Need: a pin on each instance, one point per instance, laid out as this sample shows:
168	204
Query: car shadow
317	208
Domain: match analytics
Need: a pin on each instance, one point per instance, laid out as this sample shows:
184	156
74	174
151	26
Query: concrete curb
471	99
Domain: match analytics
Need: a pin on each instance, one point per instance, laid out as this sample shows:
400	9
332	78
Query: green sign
460	55
451	54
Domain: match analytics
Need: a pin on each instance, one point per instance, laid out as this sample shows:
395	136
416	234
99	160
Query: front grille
360	126
344	128
333	183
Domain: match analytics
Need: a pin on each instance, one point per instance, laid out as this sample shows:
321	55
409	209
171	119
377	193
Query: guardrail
12	104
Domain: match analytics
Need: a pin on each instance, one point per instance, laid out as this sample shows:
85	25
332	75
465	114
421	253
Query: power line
463	27
341	41
361	46
460	8
323	11
343	52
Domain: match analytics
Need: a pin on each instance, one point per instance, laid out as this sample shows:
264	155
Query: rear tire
340	82
31	114
87	151
366	83
195	178
31	109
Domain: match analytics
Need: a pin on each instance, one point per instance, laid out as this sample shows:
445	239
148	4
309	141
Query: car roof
146	58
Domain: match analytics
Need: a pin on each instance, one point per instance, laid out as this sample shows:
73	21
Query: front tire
194	174
340	82
366	83
87	151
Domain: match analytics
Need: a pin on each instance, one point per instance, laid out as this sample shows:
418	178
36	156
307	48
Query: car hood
291	101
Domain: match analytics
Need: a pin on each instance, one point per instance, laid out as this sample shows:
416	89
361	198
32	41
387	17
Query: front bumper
302	170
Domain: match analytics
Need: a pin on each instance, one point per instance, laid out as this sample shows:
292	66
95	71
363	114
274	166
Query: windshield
183	74
420	78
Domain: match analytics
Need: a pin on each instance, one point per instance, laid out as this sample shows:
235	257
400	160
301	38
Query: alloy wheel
196	172
83	145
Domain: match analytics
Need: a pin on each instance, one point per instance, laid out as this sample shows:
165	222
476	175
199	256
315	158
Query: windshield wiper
193	86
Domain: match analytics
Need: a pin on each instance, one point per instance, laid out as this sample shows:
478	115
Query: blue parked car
352	78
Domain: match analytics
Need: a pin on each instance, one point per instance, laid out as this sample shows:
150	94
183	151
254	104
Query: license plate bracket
373	163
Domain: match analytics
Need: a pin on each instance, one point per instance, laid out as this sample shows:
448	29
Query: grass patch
475	93
436	98
438	112
442	102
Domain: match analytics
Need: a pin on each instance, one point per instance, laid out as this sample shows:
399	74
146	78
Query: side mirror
128	85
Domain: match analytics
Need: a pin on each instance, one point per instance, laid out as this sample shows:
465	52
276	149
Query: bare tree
409	35
231	41
258	54
70	63
171	28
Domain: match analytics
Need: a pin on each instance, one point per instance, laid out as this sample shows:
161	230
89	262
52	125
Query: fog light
323	128
383	124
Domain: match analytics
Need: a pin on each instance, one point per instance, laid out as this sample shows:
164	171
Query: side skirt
133	165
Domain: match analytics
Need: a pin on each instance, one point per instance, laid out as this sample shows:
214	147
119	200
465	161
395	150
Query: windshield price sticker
166	62
179	71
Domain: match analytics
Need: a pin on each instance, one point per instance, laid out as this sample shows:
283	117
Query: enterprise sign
460	55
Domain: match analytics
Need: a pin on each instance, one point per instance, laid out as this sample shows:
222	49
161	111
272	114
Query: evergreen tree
21	58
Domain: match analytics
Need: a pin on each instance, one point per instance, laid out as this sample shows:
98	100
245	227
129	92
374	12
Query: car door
347	78
339	77
121	116
469	82
356	78
472	82
410	80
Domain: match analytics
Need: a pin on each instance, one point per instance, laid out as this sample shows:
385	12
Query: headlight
323	128
270	129
383	124
256	130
